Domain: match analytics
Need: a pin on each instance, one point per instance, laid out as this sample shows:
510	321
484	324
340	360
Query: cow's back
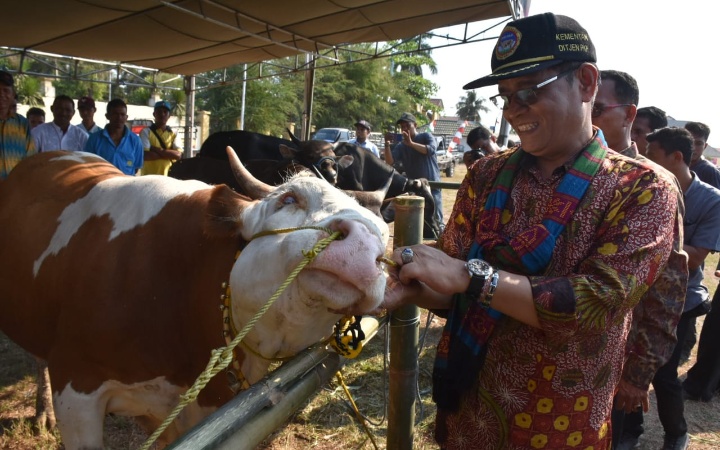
94	265
247	145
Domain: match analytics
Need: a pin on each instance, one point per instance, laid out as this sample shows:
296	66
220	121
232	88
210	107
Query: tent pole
189	115
308	104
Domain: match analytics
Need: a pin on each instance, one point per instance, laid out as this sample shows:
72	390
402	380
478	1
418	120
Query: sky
672	49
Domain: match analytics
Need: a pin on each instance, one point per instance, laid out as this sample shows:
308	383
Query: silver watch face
479	268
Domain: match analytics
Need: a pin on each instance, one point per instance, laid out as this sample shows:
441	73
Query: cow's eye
288	199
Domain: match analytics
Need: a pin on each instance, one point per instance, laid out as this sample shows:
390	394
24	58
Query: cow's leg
44	412
80	418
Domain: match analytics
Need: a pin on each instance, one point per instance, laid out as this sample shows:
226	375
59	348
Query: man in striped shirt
15	140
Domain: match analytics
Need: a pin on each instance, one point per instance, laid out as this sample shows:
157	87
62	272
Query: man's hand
629	398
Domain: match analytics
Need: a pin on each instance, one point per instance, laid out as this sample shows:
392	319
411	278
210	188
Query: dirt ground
327	421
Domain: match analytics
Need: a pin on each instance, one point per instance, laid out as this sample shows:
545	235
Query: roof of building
448	126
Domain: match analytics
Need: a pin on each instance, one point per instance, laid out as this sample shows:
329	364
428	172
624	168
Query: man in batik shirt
562	237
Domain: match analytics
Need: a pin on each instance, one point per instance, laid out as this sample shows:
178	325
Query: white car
334	135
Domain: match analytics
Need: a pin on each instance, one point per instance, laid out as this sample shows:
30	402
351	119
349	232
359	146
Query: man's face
117	116
87	114
482	144
612	121
543	125
657	154
408	127
35	120
63	111
7	97
161	116
640	129
361	133
699	145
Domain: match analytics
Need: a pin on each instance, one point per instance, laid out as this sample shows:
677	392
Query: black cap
534	43
6	78
406	117
365	124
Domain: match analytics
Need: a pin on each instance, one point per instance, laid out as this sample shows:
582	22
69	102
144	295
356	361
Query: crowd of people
570	271
152	152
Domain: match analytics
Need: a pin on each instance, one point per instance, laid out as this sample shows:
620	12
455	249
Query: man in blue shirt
416	151
672	149
362	133
116	143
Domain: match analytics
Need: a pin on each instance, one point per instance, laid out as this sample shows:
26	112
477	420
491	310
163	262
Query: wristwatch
480	271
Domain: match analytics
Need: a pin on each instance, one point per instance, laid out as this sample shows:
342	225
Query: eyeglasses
598	110
526	97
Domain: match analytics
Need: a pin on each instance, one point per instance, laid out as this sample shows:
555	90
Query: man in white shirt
362	131
86	108
60	134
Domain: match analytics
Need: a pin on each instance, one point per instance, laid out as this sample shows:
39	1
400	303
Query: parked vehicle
334	135
446	162
458	153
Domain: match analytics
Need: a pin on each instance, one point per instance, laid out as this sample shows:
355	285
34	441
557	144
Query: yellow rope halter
222	357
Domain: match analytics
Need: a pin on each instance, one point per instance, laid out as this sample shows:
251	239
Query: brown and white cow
115	281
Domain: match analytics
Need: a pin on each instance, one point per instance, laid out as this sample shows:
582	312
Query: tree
350	92
469	107
28	90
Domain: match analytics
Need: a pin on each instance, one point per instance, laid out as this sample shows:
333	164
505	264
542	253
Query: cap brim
510	72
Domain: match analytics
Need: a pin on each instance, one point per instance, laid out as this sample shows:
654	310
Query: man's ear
588	77
630	114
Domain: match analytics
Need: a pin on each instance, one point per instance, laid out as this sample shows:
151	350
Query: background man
647	120
672	149
710	174
480	141
60	134
16	142
86	107
704	169
35	116
416	151
116	143
362	132
159	142
652	334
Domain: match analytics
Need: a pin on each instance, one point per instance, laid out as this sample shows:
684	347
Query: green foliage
270	102
138	96
28	90
469	107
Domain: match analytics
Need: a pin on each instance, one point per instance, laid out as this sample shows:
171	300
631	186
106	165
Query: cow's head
347	273
318	156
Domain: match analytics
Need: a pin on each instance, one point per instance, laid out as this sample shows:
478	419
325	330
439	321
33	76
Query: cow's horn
297	141
253	187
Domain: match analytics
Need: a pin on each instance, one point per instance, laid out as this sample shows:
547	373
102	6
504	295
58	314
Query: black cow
316	155
366	173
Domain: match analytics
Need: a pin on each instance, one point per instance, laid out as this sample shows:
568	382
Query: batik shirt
553	387
652	338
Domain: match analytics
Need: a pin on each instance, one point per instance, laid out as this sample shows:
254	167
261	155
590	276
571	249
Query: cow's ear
288	152
224	210
345	161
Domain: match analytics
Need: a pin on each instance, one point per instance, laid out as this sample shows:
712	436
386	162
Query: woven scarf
463	345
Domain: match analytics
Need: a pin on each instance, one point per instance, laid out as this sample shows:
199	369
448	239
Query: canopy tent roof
194	36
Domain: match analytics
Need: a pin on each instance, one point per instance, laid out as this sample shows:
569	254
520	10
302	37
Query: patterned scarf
462	347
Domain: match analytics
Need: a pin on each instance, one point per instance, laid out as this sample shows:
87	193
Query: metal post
244	90
404	335
189	114
306	125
